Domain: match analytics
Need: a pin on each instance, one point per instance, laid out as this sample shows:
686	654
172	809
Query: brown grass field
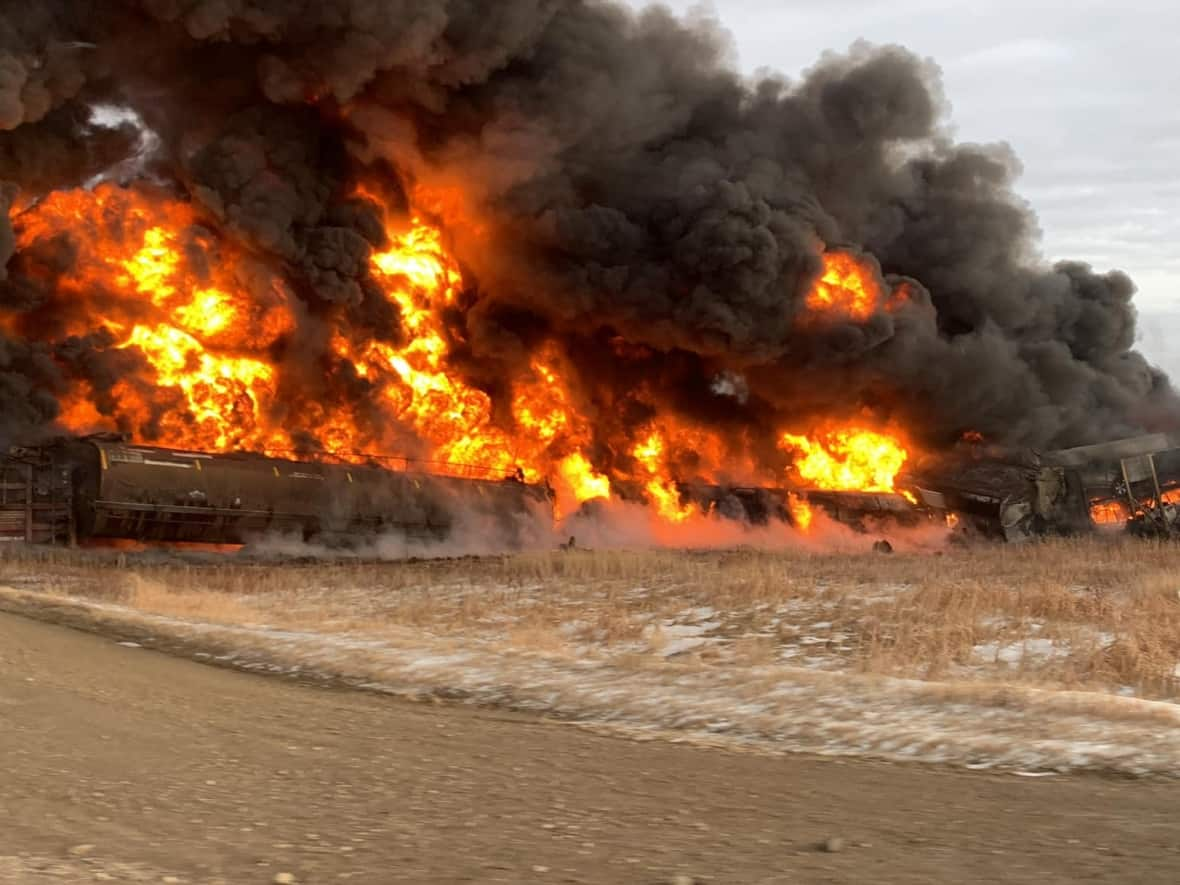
1096	614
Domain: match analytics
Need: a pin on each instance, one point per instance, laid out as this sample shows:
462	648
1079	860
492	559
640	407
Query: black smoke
632	187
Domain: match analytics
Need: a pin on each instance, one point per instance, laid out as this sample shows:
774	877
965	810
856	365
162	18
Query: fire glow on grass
210	363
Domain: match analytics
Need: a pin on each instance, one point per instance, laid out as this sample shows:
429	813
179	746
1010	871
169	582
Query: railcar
104	487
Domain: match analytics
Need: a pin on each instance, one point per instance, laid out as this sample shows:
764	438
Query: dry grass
1093	614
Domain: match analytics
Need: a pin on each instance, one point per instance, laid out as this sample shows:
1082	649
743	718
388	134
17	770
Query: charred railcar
1012	495
758	505
102	487
1022	495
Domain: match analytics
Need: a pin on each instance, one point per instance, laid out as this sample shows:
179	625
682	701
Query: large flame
850	288
845	287
846	459
208	333
651	456
203	340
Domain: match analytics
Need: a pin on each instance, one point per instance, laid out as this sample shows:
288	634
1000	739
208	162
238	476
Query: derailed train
102	487
987	492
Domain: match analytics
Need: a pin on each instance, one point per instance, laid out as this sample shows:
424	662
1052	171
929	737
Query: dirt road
121	764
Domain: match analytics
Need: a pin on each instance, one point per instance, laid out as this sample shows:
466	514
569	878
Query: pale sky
1085	92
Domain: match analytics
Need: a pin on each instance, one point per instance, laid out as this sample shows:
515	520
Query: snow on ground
1016	652
801	699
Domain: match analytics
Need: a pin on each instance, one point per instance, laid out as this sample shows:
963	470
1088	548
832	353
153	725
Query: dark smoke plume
634	187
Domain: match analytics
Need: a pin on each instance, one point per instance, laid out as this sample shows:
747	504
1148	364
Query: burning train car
1132	483
991	493
758	505
102	487
681	274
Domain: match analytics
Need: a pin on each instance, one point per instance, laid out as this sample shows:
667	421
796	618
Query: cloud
1013	53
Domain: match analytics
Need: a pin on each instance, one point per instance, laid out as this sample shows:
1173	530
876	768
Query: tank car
113	489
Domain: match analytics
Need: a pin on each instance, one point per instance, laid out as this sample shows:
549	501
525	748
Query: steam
112	117
617	524
631	187
608	525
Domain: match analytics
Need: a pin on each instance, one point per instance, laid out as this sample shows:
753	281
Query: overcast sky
1087	92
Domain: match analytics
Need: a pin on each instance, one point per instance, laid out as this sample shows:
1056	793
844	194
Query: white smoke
132	167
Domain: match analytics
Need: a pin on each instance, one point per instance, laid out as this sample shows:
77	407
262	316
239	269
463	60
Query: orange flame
650	453
847	459
208	383
581	479
207	329
847	287
1109	512
800	510
1118	512
851	288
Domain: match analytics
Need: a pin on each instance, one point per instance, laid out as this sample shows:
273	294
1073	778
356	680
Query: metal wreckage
1003	494
100	487
1132	483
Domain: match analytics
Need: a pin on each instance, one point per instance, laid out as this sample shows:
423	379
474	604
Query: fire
852	288
580	477
800	510
222	392
549	423
207	382
1109	512
650	454
847	287
846	459
208	344
206	334
1118	512
420	390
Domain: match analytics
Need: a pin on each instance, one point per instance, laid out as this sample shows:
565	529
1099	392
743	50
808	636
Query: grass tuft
1096	614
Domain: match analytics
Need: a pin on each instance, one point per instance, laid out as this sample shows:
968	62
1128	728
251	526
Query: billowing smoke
608	181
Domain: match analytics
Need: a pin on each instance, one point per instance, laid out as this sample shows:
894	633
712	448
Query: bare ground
1061	656
121	764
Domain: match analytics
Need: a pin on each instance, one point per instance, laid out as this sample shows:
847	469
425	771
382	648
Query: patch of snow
670	628
1034	649
680	646
675	639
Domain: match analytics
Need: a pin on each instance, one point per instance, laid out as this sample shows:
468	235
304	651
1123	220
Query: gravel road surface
122	764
